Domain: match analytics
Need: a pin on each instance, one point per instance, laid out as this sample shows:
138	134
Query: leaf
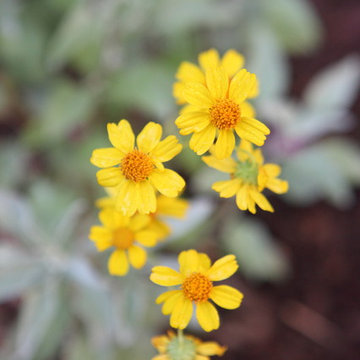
39	314
295	23
259	257
335	88
18	272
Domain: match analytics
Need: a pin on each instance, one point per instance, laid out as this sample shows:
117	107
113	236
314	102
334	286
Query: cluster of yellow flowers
141	190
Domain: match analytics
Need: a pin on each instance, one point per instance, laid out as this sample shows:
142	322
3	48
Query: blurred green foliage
69	66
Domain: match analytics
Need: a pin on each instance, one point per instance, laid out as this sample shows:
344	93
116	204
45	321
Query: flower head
185	347
137	172
249	176
166	207
124	234
217	107
196	277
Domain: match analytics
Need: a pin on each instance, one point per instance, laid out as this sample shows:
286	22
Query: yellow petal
223	268
113	219
167	182
137	256
204	262
101	236
201	142
226	296
225	144
161	357
201	357
149	137
165	276
232	62
225	165
166	295
166	149
189	72
272	170
217	82
211	348
227	188
256	124
127	198
147	198
278	186
190	261
139	221
248	132
197	94
171	301
173	207
121	136
161	229
178	90
181	314
261	201
147	238
240	86
247	110
118	263
242	198
207	316
194	121
106	157
109	177
209	59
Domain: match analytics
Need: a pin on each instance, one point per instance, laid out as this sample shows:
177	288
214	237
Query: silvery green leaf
267	60
38	316
19	271
314	173
335	88
17	218
78	348
259	256
295	23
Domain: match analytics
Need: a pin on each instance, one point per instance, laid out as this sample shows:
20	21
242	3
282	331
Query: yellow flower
137	172
124	234
196	278
249	176
185	347
166	207
232	62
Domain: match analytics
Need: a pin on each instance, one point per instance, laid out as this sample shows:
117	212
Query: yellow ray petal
211	348
166	149
227	188
101	236
232	62
242	198
121	136
278	186
225	144
106	157
261	201
217	82
197	94
139	221
181	314
223	268
189	72
127	198
147	198
109	177
226	296
209	59
147	238
174	207
225	165
190	261
149	137
201	142
170	302
118	263
247	110
137	256
194	121
166	295
167	182
207	316
165	276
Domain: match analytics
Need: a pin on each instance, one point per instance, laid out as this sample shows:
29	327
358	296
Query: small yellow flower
232	62
166	207
217	108
185	347
249	176
196	278
137	172
125	234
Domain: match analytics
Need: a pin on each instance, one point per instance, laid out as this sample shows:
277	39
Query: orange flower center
225	114
197	287
137	166
123	238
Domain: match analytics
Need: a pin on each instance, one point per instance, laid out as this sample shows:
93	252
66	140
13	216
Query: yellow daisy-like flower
185	347
137	172
125	234
217	108
166	207
196	277
232	62
249	176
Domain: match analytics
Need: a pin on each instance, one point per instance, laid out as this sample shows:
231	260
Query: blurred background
67	67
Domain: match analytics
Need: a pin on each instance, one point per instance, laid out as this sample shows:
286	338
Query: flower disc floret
197	287
137	166
123	238
225	114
